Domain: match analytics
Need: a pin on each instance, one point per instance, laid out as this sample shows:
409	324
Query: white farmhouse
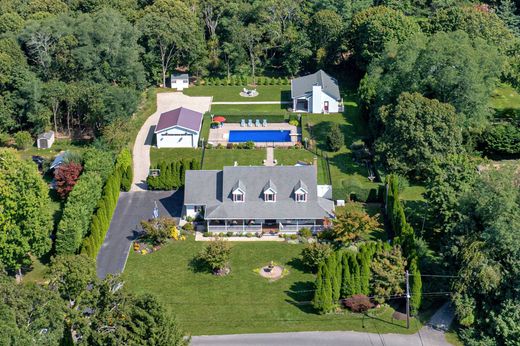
178	128
180	81
316	93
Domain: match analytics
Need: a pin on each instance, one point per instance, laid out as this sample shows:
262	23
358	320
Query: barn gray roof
183	117
46	135
303	85
180	76
213	189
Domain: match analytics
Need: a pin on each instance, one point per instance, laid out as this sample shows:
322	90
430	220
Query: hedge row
344	274
119	179
243	81
172	174
77	213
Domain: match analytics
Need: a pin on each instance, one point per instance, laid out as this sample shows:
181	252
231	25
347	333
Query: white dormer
300	192
270	192
238	193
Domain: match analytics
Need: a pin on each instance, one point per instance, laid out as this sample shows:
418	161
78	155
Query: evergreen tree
355	275
332	266
415	286
328	303
364	277
507	12
317	301
346	282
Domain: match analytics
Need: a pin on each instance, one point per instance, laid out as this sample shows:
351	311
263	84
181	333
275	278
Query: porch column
225	224
207	225
297	228
314	229
243	225
294	102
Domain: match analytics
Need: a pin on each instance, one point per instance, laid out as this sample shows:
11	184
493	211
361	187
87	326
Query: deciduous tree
66	176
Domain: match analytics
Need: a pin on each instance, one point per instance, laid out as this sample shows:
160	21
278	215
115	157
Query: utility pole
407	300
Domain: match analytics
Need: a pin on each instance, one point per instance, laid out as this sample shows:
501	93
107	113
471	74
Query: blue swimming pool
240	136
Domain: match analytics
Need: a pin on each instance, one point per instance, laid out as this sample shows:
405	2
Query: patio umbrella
219	119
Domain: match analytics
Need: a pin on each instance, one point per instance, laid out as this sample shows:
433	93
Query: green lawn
218	158
505	97
58	146
246	110
171	154
232	93
242	302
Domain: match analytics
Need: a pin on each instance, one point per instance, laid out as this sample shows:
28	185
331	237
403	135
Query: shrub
216	254
66	176
249	235
249	145
314	254
172	174
305	233
124	163
272	81
158	230
294	122
358	303
207	235
335	138
230	234
4	139
23	140
293	236
99	161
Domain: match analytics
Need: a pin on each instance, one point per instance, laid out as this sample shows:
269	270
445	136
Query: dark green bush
171	174
23	140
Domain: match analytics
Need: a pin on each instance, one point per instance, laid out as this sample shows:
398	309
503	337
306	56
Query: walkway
143	141
269	161
252	103
132	207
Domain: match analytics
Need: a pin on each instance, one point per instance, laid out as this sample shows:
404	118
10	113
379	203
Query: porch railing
259	228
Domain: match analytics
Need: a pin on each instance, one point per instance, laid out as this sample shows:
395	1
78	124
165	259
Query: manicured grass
453	339
218	158
413	193
247	110
171	154
232	93
37	272
242	302
505	97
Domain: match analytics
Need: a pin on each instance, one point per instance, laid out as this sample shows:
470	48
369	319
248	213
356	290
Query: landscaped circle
272	272
249	93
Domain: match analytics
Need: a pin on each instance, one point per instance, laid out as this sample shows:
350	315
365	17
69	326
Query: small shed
180	81
45	140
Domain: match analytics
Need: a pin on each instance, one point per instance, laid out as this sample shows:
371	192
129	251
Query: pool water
239	136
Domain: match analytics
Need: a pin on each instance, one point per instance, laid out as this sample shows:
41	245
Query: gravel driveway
143	141
132	207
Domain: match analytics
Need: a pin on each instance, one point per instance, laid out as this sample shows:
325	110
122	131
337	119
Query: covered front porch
301	105
262	226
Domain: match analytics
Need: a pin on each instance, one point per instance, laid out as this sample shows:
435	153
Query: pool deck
221	134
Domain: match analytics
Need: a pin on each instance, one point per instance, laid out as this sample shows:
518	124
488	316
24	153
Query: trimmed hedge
171	174
77	213
119	179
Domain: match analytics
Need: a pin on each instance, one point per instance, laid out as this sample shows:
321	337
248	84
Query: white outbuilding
45	140
180	81
316	93
178	128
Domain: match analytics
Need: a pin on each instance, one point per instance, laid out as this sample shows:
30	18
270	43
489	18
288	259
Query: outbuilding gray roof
303	85
46	135
213	189
180	76
183	117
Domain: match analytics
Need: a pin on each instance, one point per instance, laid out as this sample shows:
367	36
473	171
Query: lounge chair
257	123
245	90
242	123
264	123
250	123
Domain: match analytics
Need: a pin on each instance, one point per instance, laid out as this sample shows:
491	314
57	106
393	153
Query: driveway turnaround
132	207
143	141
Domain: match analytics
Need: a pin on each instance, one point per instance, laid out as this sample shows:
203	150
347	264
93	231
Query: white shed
316	93
45	140
180	81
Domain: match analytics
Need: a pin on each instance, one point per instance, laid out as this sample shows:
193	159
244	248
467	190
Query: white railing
235	228
296	228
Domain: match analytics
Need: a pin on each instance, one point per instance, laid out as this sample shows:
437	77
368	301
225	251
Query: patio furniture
250	123
257	123
245	90
242	123
264	123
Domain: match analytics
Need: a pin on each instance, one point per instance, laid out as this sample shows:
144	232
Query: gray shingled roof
301	185
180	76
303	85
46	135
214	190
183	117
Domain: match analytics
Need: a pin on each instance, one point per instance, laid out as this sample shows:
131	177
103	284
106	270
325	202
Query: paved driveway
132	207
143	141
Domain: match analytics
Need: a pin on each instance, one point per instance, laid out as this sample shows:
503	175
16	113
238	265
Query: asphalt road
132	207
316	339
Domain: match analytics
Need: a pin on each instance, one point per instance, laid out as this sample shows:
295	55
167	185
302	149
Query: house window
301	197
269	196
238	196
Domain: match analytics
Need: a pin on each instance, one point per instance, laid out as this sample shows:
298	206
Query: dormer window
301	196
270	196
238	193
238	196
300	192
270	192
